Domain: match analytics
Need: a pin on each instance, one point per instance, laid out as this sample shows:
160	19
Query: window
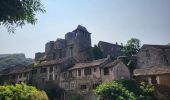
94	69
87	71
106	71
54	56
51	69
43	70
71	51
70	74
13	76
51	77
60	53
43	79
25	74
79	72
34	71
20	75
83	87
65	75
56	76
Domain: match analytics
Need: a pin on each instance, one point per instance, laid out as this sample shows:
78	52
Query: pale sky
108	20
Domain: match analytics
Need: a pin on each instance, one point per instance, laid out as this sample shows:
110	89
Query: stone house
153	64
15	74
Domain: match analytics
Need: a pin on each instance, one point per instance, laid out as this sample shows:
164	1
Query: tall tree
16	13
132	47
97	53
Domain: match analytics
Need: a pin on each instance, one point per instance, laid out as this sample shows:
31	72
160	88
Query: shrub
125	90
21	92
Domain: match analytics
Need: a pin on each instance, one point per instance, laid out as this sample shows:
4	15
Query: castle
69	64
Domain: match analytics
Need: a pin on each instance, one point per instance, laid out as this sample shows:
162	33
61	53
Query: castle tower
77	41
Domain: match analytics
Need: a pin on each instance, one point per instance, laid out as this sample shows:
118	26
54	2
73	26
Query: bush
21	92
125	90
113	91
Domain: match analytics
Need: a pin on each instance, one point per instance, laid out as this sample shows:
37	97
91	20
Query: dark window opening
43	79
20	75
106	71
83	87
153	80
43	70
56	76
147	53
13	76
79	72
60	53
65	75
51	69
25	74
54	56
166	60
87	71
71	51
34	71
51	77
94	69
70	74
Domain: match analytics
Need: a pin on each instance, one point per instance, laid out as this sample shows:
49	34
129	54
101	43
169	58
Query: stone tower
78	41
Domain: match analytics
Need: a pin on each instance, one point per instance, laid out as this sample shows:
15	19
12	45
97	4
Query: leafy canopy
132	47
21	92
14	13
124	90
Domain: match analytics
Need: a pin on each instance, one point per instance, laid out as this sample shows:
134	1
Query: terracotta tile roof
152	71
16	69
115	62
53	62
89	64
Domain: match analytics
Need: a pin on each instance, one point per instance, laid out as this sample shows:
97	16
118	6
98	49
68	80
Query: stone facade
153	55
110	49
153	64
74	45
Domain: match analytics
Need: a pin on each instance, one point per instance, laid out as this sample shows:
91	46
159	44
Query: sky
108	20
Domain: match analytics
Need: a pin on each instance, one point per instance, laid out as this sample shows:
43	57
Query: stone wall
151	56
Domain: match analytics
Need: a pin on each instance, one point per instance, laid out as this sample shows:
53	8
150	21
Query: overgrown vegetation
131	48
16	13
11	60
21	92
125	90
53	91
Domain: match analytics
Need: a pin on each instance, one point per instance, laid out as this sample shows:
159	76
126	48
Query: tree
132	47
113	91
97	53
14	13
52	89
21	92
125	90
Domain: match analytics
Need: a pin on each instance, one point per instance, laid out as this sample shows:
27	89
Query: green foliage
125	90
21	92
113	91
16	13
52	89
97	53
75	98
132	47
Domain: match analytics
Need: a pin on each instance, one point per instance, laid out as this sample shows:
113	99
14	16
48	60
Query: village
70	64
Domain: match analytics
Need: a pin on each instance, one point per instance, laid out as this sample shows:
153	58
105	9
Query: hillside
10	60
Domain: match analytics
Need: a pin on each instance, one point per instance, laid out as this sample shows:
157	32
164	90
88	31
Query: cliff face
10	60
